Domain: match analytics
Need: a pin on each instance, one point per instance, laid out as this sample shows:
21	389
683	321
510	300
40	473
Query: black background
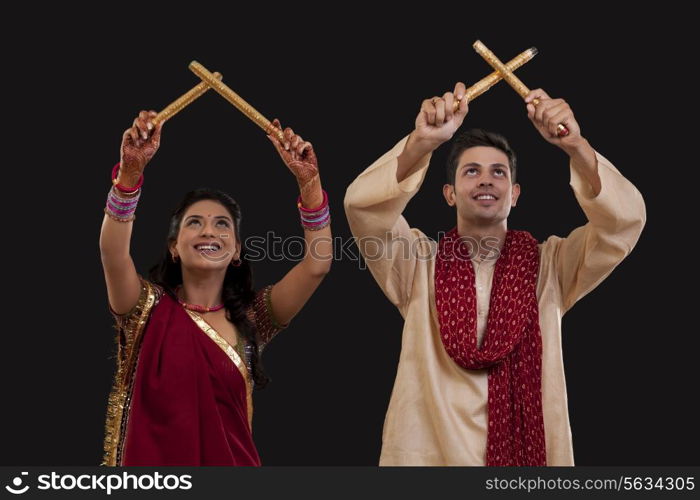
351	81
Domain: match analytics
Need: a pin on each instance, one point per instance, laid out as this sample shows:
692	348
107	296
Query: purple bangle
317	226
121	209
114	217
124	204
313	219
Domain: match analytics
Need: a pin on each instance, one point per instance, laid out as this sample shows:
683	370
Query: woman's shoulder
260	313
149	297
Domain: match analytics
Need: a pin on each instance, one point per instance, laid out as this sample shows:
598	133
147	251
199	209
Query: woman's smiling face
207	239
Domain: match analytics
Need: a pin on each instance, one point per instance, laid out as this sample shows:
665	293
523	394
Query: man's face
482	191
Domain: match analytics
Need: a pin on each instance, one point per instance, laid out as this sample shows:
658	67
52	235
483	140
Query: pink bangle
121	188
317	218
323	204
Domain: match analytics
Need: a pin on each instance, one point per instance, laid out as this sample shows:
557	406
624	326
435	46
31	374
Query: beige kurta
438	410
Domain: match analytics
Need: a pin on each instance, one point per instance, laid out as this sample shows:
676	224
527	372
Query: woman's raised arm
139	143
290	294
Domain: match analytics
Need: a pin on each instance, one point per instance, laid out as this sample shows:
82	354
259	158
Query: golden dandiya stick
236	100
512	80
184	100
488	81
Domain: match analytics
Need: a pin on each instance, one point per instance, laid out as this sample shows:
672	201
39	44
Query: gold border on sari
130	327
235	354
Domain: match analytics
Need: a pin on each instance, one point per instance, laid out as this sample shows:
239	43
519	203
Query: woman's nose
207	229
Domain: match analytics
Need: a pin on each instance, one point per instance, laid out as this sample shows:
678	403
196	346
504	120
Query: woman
190	336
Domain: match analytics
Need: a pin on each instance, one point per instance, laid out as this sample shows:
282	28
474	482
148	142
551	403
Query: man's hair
477	137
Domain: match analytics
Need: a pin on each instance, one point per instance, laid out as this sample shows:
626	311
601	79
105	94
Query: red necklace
196	307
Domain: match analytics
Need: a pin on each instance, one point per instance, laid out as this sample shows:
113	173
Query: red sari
182	395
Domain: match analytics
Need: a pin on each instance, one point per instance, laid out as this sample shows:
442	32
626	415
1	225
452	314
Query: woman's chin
202	264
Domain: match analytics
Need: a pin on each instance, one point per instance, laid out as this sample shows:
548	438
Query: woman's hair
238	292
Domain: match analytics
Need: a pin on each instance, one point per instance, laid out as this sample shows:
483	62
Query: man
480	379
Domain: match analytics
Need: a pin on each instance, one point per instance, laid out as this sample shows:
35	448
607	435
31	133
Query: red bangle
121	188
323	204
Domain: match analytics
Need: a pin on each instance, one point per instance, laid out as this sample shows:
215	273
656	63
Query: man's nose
485	181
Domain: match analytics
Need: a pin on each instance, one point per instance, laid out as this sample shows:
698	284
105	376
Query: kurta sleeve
615	216
261	314
373	204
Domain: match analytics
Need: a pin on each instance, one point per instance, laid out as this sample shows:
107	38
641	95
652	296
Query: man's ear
516	194
448	191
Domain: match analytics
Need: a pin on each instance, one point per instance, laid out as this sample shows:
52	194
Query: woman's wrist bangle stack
317	218
121	200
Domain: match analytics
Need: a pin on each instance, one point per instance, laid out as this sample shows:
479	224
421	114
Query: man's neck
489	237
